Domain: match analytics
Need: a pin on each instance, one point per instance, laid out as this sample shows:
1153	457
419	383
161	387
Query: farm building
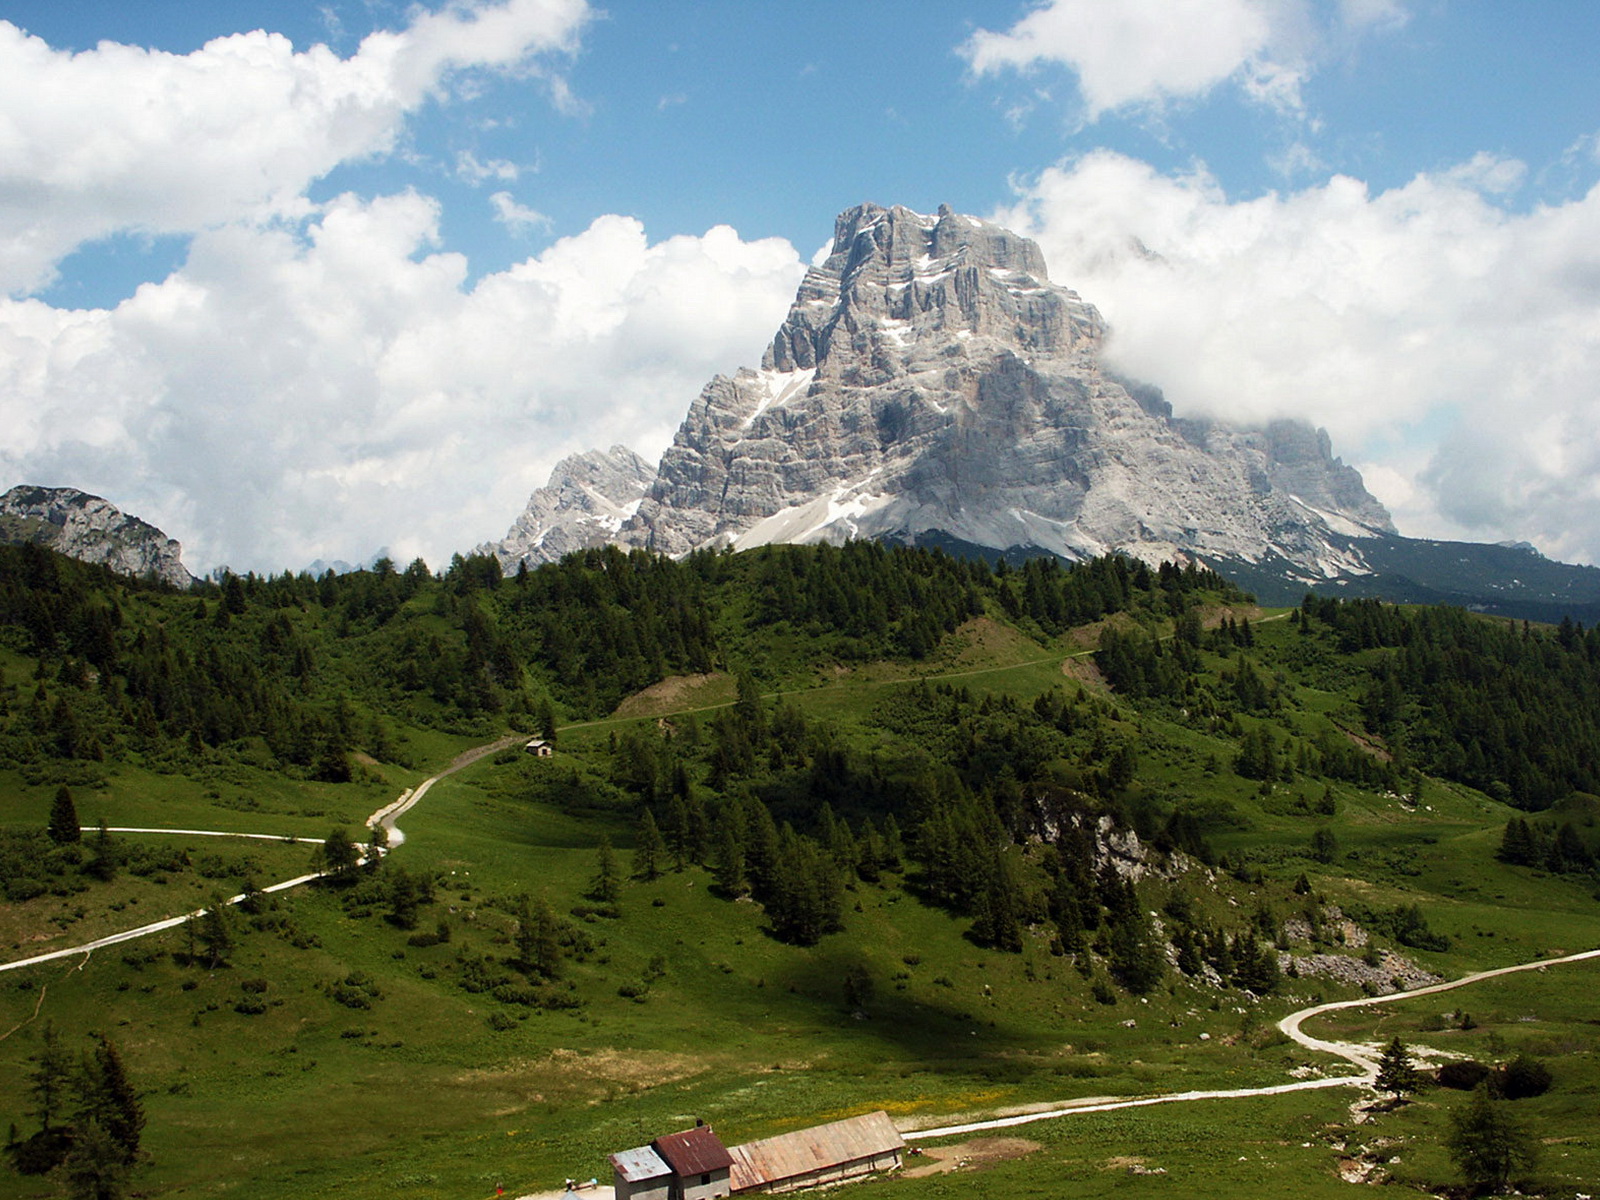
641	1174
823	1154
692	1165
540	747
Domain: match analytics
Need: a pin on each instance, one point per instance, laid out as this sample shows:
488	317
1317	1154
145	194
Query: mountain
588	499
91	529
930	381
931	385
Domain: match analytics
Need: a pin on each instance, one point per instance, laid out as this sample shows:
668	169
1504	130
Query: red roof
696	1151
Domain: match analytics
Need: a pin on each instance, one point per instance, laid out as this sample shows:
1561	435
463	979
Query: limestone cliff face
86	527
588	498
930	378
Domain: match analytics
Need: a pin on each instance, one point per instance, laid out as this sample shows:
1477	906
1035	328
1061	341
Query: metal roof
639	1164
771	1160
695	1151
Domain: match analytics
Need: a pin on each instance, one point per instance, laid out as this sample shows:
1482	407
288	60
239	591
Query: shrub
1463	1075
1522	1077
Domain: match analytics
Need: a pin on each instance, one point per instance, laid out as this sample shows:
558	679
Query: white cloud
1438	336
120	138
283	398
518	218
1148	53
471	170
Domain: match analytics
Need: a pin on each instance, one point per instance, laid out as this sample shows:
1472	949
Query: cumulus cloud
120	138
1147	53
1447	342
283	397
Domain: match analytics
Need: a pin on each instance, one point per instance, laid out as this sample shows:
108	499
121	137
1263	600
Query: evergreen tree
606	886
49	1076
339	854
1395	1074
107	1099
63	827
1000	906
1487	1143
215	931
538	939
94	1167
729	866
1136	959
545	719
405	897
103	859
650	849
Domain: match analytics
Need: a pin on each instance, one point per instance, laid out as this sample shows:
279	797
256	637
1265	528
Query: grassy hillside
958	753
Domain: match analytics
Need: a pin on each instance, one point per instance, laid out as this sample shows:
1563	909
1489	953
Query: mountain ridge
92	529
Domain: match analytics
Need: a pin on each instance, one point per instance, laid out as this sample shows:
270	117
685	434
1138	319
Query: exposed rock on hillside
86	527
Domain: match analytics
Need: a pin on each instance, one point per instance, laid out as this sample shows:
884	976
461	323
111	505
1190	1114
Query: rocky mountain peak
930	381
897	278
586	501
90	528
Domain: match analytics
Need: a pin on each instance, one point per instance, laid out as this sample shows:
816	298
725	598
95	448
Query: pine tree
729	865
538	939
1487	1143
63	827
1395	1074
606	886
215	931
94	1167
49	1076
108	1099
339	855
104	858
1136	958
650	848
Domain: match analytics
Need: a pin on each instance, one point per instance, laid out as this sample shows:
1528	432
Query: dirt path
1363	1057
384	817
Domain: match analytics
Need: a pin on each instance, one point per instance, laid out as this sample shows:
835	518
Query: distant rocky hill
86	527
932	385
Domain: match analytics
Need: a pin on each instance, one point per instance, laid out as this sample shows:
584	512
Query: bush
1464	1075
355	990
1522	1077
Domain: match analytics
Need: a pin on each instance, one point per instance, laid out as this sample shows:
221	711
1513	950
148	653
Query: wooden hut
822	1154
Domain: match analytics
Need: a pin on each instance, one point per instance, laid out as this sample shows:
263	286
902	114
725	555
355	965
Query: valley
403	1042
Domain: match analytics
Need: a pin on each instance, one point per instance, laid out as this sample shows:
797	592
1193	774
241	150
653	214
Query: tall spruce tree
650	849
606	886
1395	1074
63	828
108	1099
1486	1143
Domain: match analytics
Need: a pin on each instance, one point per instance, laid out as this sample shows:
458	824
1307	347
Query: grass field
431	1090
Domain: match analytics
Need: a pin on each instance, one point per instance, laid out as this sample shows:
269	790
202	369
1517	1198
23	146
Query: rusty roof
756	1164
696	1151
639	1164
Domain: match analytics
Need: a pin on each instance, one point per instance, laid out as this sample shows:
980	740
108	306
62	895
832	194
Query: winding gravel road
384	817
1364	1057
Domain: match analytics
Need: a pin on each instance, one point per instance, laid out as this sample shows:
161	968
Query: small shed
700	1163
641	1174
541	748
822	1154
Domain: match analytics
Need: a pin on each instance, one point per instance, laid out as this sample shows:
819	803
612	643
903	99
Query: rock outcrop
586	502
86	527
931	380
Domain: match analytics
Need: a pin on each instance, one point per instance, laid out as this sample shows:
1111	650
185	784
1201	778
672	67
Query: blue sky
358	280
